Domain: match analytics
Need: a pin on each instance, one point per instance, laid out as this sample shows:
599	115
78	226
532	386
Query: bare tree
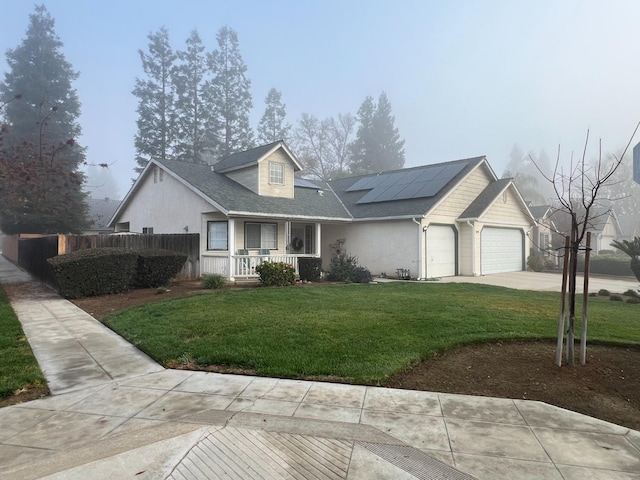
580	195
322	145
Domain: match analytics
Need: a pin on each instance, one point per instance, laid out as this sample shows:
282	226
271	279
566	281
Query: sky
464	78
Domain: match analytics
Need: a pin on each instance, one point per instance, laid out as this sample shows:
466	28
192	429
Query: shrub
212	281
345	268
633	300
616	298
632	293
96	271
276	274
603	292
310	269
535	263
157	266
362	275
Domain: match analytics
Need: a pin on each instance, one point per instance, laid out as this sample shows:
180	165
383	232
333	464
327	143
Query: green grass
362	333
18	367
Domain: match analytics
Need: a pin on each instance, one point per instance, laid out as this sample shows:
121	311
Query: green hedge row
156	267
608	265
100	271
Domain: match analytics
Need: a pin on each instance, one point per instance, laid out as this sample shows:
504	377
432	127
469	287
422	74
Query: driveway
547	282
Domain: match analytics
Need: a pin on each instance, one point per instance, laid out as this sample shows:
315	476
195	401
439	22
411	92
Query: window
545	244
276	173
261	235
217	236
147	230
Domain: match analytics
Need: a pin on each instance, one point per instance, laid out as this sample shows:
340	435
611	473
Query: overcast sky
464	78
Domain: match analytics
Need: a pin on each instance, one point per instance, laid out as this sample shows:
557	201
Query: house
454	218
603	225
541	235
604	228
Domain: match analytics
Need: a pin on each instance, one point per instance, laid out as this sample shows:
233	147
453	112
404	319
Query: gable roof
252	157
234	199
407	192
539	211
483	201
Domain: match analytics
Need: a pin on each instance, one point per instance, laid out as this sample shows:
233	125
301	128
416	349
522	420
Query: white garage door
441	251
502	250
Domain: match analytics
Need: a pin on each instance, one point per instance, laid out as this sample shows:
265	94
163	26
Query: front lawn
19	369
360	333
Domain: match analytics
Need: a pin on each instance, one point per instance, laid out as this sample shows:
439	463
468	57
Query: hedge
157	266
96	271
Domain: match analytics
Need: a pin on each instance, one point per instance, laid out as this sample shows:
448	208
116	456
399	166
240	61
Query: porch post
231	234
319	239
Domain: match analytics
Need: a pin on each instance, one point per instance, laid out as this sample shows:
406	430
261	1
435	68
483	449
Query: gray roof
399	191
237	199
539	211
486	198
244	159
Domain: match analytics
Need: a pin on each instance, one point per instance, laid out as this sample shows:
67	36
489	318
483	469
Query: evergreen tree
229	97
155	138
40	180
377	146
272	125
192	113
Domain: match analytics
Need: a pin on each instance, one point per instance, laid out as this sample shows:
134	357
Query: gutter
420	249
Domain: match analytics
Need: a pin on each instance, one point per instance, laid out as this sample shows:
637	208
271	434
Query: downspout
473	247
528	235
420	250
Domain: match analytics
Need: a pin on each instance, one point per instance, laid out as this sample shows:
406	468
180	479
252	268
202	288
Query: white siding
276	190
459	199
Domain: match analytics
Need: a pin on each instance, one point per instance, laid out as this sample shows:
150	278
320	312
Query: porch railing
244	265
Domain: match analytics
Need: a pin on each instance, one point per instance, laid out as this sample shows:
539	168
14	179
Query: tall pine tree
229	97
156	135
272	126
40	180
377	146
191	111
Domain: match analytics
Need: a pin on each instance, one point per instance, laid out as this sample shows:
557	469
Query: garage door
441	251
502	250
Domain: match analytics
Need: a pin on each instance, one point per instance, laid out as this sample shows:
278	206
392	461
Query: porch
244	266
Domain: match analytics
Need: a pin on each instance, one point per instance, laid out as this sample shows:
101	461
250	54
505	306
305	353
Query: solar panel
304	183
421	182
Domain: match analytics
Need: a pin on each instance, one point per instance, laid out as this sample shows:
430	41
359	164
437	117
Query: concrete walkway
116	414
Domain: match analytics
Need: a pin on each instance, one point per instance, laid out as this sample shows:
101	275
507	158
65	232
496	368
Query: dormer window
276	173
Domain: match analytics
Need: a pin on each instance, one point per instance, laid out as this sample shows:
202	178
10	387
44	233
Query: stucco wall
167	206
380	246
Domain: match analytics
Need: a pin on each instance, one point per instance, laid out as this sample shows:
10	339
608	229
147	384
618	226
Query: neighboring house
604	228
454	218
100	212
603	225
542	233
630	225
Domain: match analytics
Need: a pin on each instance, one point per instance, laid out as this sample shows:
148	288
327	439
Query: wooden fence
187	243
31	252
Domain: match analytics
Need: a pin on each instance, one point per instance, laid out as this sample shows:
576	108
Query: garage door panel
501	250
441	251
